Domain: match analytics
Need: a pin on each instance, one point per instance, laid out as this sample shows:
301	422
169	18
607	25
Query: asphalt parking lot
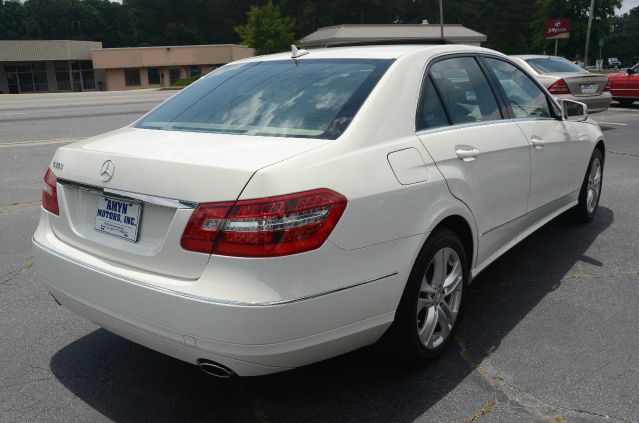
550	331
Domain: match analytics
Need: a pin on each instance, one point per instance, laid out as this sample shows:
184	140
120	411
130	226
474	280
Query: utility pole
592	12
441	18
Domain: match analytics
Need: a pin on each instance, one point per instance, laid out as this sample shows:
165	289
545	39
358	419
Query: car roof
536	56
372	52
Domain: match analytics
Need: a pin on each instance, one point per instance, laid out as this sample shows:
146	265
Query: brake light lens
50	193
607	88
559	87
266	227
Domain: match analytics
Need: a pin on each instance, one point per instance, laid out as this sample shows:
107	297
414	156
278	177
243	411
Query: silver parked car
567	81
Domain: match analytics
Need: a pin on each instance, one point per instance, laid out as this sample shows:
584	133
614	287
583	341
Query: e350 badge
57	165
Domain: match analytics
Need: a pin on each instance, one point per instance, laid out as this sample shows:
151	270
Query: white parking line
14	113
613	123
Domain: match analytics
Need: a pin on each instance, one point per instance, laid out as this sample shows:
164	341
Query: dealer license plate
589	88
118	217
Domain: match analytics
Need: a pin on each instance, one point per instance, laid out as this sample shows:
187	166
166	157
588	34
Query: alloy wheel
594	185
439	298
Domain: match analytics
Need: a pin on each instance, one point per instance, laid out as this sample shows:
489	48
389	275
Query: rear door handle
466	153
537	142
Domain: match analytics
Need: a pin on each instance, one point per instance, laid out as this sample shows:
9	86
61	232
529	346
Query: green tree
266	30
577	11
622	42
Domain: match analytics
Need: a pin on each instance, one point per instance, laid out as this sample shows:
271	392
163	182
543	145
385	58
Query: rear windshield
554	65
311	99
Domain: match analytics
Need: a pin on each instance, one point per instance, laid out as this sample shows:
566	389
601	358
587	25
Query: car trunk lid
583	85
157	177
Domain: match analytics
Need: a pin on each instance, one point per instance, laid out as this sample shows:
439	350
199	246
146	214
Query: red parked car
625	86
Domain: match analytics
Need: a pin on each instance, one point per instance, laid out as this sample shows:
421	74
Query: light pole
441	18
592	12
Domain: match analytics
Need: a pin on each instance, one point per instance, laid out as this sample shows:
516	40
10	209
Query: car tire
432	303
590	192
626	103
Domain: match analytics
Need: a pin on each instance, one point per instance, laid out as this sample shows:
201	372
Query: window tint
465	90
430	113
316	98
554	65
525	97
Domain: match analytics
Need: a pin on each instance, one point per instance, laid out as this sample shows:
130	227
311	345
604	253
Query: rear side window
315	98
465	90
526	99
430	113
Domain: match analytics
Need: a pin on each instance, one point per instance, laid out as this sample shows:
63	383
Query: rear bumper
595	103
249	338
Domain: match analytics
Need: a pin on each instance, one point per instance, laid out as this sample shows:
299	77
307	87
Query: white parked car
279	212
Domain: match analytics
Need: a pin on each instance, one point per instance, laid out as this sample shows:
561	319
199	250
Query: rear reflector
559	87
266	227
50	193
607	88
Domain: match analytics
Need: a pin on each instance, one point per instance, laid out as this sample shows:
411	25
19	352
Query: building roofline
46	41
165	47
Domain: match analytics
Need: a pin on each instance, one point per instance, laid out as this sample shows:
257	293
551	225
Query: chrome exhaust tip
214	369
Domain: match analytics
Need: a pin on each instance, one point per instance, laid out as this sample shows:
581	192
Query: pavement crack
564	278
10	207
623	153
8	277
543	410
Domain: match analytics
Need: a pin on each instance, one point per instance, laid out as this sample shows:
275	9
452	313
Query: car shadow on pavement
127	382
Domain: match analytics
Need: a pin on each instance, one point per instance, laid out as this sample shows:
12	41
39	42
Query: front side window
132	77
526	99
315	98
465	90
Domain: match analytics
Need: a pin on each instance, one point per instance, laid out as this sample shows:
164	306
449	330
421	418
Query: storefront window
132	77
194	71
76	75
153	75
26	77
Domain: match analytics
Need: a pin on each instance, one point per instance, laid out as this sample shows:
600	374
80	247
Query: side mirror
629	71
574	110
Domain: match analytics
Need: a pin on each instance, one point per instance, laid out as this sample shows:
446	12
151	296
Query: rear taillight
607	88
266	227
559	87
50	193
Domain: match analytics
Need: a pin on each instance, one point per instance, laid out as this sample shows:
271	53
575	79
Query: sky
626	5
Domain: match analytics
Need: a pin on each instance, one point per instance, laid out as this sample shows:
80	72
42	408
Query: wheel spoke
426	287
439	267
444	322
451	284
430	323
450	314
423	303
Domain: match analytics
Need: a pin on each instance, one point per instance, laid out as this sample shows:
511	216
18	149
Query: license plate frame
118	217
589	88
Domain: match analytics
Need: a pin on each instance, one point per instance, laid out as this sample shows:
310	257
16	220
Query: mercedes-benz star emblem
107	170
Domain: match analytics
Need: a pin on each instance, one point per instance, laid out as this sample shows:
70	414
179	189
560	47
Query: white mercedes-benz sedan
281	211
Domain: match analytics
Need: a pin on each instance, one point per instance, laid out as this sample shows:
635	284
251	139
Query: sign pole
556	42
590	15
441	18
